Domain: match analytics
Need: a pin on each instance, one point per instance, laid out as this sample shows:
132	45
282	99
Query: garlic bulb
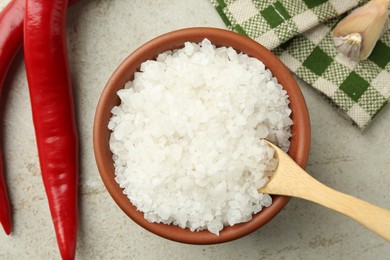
356	35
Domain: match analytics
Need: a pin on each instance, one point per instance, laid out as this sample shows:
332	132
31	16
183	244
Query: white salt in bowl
300	139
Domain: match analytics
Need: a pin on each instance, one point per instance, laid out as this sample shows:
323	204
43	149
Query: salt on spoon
290	179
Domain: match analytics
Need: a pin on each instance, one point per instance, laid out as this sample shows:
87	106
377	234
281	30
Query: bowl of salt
178	134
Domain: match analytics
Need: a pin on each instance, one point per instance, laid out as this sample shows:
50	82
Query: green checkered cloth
298	31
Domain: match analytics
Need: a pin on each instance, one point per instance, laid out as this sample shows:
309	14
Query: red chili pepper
11	41
11	34
11	38
5	209
53	114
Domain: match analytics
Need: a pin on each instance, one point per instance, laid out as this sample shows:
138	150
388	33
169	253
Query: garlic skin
349	45
356	35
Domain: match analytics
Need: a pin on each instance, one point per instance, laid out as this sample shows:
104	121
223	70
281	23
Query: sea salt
186	138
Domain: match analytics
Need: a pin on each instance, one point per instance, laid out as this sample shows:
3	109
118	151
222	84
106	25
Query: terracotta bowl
300	140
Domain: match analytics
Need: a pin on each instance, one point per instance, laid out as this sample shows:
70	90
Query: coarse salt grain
186	138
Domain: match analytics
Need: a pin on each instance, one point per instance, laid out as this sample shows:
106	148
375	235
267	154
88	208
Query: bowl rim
300	140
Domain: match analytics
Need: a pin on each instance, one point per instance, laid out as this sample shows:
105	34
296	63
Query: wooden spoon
291	180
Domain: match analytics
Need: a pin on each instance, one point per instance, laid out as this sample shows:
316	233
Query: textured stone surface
101	33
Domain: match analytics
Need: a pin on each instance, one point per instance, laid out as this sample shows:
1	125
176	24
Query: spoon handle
291	180
372	217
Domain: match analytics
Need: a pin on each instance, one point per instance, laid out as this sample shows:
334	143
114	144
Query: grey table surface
100	35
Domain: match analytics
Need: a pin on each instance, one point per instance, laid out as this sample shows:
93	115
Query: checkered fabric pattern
298	31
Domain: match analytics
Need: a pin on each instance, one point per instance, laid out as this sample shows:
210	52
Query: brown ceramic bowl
300	140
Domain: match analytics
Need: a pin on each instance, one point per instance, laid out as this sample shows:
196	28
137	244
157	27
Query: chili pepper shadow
79	118
84	122
72	20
